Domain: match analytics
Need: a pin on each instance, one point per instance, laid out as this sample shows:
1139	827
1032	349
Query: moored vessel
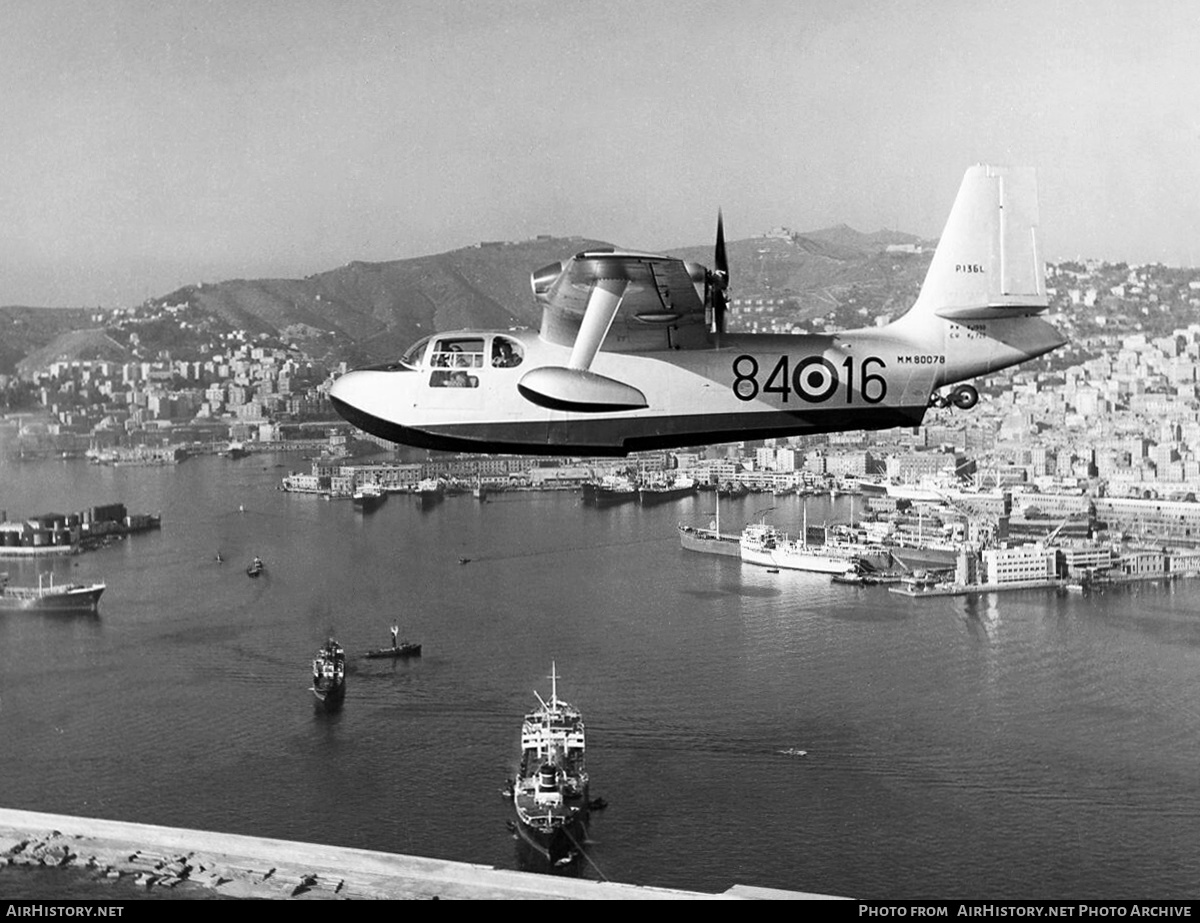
609	491
762	544
368	497
50	597
652	493
711	540
550	794
329	672
430	491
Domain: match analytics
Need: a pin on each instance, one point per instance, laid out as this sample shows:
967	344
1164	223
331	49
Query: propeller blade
719	278
720	260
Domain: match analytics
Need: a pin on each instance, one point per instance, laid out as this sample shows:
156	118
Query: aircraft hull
616	436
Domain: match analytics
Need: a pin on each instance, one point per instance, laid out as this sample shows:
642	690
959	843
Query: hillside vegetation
367	312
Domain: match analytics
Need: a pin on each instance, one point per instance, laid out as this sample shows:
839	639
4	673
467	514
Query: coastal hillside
24	330
373	311
836	276
368	312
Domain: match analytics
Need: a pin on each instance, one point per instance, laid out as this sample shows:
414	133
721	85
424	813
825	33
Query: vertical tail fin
988	263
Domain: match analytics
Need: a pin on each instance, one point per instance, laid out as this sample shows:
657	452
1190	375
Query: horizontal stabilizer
1021	308
557	388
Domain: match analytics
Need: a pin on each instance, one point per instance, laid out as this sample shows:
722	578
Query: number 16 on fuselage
632	352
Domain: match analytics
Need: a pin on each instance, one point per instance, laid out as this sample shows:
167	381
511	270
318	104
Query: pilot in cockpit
503	356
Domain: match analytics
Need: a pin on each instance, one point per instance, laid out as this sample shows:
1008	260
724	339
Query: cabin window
457	353
452	378
506	353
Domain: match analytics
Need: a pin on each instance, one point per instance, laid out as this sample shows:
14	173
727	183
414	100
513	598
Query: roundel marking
815	379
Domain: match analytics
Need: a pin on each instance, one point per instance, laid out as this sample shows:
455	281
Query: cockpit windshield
414	354
457	353
461	352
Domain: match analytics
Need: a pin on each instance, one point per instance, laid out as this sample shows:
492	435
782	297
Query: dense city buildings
1113	416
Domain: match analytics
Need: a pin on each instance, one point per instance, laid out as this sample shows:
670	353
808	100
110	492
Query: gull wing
659	297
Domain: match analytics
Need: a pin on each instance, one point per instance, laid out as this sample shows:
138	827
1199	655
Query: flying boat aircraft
632	353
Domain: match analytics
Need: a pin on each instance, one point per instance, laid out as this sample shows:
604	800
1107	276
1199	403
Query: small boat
255	567
404	649
220	559
329	672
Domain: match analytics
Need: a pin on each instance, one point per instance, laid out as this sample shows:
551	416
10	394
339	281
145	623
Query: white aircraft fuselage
631	355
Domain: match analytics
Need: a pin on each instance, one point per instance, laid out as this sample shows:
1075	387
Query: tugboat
255	567
329	673
398	649
550	794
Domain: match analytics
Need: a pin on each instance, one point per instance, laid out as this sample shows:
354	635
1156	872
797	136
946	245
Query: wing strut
576	387
602	306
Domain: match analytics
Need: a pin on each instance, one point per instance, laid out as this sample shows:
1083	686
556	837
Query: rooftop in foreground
257	867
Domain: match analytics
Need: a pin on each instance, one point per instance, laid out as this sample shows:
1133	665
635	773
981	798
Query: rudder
988	263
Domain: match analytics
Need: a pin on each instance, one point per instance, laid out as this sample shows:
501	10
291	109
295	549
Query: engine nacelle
542	279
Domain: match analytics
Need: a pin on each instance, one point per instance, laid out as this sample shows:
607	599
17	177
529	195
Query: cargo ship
764	544
50	597
652	493
711	540
550	794
329	673
431	491
609	491
368	497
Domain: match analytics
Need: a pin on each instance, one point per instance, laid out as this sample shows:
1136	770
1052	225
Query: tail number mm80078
813	379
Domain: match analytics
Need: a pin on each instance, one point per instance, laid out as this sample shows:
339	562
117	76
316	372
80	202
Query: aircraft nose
367	398
349	389
361	395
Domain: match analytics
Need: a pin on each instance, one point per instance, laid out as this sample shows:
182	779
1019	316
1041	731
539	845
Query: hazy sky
145	145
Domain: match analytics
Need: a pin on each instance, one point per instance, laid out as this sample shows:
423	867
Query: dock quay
70	533
237	866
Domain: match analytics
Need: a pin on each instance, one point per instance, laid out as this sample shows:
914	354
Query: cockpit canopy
465	351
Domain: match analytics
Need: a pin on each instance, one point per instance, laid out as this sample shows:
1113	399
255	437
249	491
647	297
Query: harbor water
746	727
